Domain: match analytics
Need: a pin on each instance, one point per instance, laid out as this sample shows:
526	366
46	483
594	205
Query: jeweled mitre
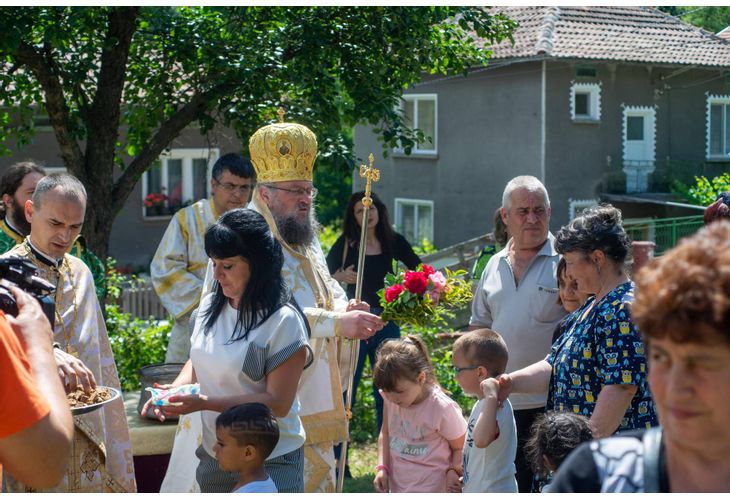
283	152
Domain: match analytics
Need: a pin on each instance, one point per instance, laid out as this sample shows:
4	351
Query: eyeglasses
309	192
459	369
229	188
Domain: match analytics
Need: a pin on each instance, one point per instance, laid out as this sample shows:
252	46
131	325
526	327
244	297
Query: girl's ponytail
402	359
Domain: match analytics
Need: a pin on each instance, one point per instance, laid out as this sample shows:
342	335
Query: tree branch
56	106
105	110
167	132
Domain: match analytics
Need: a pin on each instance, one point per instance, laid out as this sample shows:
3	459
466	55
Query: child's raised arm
382	474
485	429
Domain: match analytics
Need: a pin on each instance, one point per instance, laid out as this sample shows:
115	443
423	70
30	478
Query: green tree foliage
712	19
704	192
153	71
135	342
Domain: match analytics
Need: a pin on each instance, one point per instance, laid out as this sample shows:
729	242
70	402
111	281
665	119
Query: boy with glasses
479	357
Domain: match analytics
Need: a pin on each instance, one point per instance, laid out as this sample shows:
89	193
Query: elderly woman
597	368
249	345
683	309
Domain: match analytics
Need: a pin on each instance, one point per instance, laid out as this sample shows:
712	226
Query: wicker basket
163	373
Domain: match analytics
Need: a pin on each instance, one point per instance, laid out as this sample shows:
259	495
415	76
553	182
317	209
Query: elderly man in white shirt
517	297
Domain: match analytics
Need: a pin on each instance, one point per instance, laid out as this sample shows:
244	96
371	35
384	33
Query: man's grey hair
71	188
528	182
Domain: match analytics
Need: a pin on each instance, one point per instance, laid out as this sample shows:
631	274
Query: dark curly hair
554	435
686	289
596	228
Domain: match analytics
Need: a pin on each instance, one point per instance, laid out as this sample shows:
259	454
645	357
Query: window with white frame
585	101
414	219
718	127
178	178
420	111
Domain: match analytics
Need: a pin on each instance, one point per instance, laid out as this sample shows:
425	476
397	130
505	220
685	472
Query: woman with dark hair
383	247
597	368
683	309
249	344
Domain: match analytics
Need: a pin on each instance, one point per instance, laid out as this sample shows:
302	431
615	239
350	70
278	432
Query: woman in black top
384	246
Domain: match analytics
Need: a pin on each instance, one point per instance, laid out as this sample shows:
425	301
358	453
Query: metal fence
664	232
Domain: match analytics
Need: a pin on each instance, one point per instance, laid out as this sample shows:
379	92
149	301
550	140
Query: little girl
423	429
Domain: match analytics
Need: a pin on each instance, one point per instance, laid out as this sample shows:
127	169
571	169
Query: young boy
479	357
246	435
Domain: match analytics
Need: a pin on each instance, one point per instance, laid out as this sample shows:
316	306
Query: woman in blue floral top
597	368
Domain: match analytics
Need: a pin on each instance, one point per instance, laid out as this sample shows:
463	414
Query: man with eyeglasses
178	267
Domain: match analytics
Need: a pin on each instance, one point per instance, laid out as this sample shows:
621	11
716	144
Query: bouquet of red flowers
423	297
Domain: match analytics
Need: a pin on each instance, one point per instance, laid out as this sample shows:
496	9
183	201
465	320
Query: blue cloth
604	348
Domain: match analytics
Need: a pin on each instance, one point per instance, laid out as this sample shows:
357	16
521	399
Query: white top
525	315
267	486
491	469
226	368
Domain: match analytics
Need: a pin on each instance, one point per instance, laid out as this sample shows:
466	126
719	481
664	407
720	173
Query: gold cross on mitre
370	174
281	113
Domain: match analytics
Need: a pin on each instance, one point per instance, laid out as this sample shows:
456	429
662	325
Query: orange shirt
22	404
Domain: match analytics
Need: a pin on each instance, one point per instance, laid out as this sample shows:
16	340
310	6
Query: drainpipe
542	122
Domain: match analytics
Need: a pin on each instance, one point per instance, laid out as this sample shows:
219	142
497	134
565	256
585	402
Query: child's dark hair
484	347
251	424
554	435
402	359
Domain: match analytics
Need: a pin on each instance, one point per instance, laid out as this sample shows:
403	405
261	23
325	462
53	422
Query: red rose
415	282
392	292
427	270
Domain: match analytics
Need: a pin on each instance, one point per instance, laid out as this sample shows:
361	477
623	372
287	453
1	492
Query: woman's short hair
244	233
383	230
686	289
596	228
719	209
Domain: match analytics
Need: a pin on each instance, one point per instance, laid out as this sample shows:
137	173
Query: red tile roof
631	34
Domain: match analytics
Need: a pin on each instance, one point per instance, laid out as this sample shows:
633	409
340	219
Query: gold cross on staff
371	174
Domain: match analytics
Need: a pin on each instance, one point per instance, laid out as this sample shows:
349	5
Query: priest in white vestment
178	267
101	455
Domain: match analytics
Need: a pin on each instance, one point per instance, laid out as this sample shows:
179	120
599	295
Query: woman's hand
505	386
347	275
188	403
153	411
381	483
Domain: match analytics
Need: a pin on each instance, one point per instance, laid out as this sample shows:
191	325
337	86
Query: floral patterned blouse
601	347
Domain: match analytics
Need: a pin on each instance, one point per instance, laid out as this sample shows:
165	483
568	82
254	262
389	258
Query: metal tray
93	407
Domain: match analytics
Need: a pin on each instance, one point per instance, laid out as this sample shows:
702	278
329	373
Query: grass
363	459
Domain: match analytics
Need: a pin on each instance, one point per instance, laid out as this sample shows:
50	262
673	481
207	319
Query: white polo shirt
525	315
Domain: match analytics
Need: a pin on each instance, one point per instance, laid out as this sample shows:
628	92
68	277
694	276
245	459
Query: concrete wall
578	153
133	239
480	147
489	131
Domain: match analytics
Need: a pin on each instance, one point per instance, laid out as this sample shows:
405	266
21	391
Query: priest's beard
16	214
295	231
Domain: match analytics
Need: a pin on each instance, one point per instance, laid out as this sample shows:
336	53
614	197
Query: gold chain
64	268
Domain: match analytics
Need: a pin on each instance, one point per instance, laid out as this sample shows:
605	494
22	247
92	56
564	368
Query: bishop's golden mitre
283	152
